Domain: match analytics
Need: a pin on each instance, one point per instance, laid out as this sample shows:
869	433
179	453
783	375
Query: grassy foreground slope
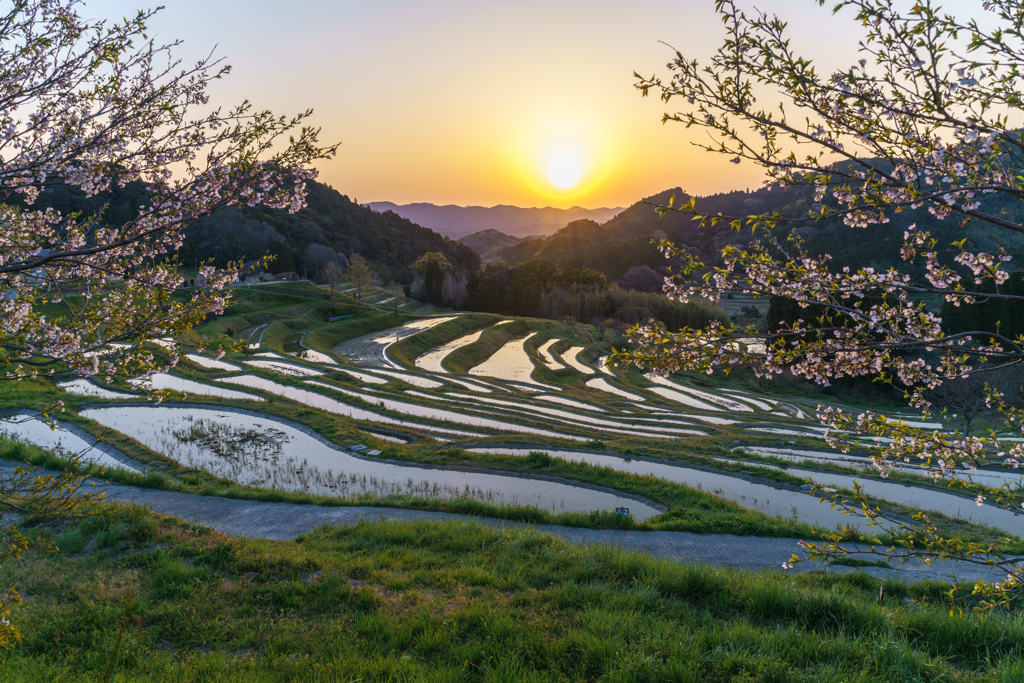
136	597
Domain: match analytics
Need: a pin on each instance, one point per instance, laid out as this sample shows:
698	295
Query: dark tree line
546	290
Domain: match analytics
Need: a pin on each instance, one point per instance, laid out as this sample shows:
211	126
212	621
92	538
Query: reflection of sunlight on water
510	362
570	358
431	360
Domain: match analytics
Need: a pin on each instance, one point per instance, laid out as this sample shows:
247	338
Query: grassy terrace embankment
490	341
295	308
406	350
132	596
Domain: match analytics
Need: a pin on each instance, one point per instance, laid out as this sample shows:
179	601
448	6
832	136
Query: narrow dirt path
285	521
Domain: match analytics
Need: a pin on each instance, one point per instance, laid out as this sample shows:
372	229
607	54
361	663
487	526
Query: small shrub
538	459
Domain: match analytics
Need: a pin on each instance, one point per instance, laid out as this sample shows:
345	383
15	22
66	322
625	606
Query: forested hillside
458	221
330	228
330	225
489	243
626	240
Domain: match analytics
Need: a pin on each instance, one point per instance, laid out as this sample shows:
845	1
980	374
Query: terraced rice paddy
61	439
211	363
371	349
767	499
164	382
283	368
261	451
433	360
604	385
510	363
548	357
498	402
83	387
570	359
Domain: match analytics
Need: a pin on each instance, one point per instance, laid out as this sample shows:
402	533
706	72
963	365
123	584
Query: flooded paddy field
261	451
62	439
516	389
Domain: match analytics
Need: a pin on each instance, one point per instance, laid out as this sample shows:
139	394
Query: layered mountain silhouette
460	221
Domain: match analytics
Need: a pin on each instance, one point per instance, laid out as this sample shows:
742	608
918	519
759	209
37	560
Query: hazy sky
467	101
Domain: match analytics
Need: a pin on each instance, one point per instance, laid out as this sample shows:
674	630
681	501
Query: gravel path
285	521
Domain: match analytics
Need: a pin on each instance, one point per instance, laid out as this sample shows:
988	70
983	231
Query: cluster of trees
621	308
546	290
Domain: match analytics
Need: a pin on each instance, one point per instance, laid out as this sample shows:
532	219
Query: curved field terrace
457	402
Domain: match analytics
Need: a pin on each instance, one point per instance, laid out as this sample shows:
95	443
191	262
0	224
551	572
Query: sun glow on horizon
564	170
561	154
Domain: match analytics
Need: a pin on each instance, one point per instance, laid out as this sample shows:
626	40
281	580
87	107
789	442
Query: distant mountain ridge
459	221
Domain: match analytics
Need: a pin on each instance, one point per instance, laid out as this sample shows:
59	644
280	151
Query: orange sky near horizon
466	101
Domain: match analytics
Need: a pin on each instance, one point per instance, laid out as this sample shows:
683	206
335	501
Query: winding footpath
285	521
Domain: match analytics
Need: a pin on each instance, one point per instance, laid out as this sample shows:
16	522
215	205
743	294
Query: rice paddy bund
516	414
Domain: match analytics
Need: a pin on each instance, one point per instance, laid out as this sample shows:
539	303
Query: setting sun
564	170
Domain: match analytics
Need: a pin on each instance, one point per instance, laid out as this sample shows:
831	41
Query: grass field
132	596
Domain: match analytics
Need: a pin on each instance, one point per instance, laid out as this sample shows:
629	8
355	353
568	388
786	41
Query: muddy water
261	451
